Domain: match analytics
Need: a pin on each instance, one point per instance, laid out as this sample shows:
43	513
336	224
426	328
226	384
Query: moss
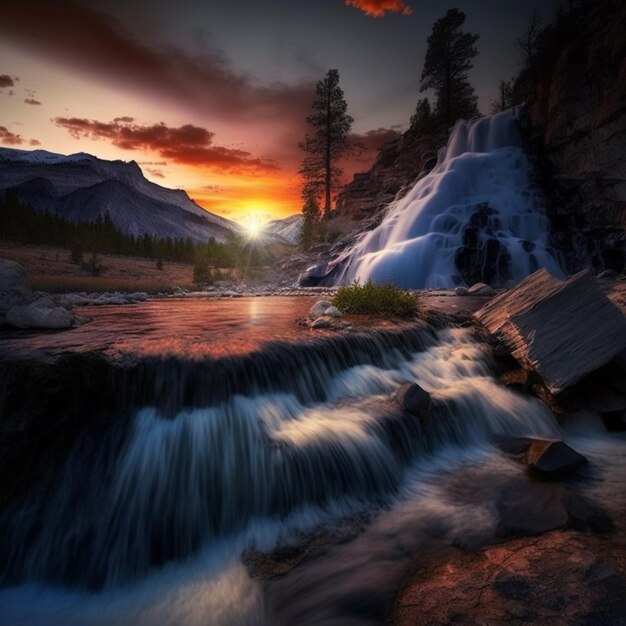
375	299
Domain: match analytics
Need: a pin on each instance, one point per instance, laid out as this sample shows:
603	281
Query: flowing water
477	216
149	525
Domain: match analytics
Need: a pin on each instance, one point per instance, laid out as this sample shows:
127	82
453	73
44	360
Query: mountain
288	228
82	187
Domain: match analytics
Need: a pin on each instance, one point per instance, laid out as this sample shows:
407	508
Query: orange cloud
32	101
10	138
188	144
378	8
6	81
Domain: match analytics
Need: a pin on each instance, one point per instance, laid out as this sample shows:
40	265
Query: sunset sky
212	96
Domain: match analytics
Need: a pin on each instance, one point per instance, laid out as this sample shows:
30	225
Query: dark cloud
34	142
6	81
93	42
32	101
187	144
373	140
9	138
378	8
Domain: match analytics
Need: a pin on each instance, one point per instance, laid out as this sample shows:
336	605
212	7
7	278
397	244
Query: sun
252	227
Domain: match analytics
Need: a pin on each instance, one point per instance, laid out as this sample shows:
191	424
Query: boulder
43	313
553	458
313	275
319	309
460	291
527	510
414	399
564	330
333	311
14	287
321	322
480	289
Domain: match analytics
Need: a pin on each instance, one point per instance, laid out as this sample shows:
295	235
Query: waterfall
477	216
175	484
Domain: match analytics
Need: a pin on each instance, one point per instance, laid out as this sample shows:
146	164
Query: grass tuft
375	299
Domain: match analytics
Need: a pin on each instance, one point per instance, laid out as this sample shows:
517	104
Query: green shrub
375	299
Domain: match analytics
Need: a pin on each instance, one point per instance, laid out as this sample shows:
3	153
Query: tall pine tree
448	59
327	141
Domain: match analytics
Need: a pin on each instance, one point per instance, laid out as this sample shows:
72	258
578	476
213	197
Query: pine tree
505	97
448	59
311	213
423	117
327	141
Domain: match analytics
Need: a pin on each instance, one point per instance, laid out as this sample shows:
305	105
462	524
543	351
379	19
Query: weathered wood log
564	330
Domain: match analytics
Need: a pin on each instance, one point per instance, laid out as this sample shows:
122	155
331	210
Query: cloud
155	172
6	81
32	101
34	142
373	140
188	144
378	8
93	42
9	138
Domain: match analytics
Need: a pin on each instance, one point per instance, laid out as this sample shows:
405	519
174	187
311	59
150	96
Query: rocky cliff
576	130
577	114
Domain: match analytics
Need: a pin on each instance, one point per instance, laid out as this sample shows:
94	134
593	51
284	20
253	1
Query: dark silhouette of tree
505	98
448	59
327	141
311	213
423	118
528	43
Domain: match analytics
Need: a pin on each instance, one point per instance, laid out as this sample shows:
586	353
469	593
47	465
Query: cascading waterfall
176	485
477	216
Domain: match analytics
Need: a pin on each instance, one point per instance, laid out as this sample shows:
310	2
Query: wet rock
527	510
514	445
15	288
480	289
321	322
461	291
313	275
43	313
553	458
414	399
333	311
585	515
319	308
564	330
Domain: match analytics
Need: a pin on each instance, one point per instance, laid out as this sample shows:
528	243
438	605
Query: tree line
22	223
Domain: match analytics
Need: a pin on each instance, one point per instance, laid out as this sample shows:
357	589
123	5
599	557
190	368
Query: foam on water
476	216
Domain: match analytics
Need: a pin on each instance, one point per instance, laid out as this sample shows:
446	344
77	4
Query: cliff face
577	114
576	130
397	166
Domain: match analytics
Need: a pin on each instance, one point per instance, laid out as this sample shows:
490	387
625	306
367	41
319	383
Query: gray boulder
333	311
414	399
553	458
460	291
480	289
14	287
319	309
42	313
321	322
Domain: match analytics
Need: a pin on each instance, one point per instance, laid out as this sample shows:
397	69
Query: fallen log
563	330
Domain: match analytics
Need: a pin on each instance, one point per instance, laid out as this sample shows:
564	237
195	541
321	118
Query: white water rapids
476	216
159	539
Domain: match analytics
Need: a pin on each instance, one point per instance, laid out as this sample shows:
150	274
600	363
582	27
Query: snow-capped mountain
82	187
288	228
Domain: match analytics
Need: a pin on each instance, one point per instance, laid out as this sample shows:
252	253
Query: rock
319	308
43	313
527	510
480	289
414	399
313	275
321	322
333	311
564	330
553	458
460	291
514	445
608	274
585	515
14	287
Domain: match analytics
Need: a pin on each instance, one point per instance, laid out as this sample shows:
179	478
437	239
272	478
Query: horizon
214	101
